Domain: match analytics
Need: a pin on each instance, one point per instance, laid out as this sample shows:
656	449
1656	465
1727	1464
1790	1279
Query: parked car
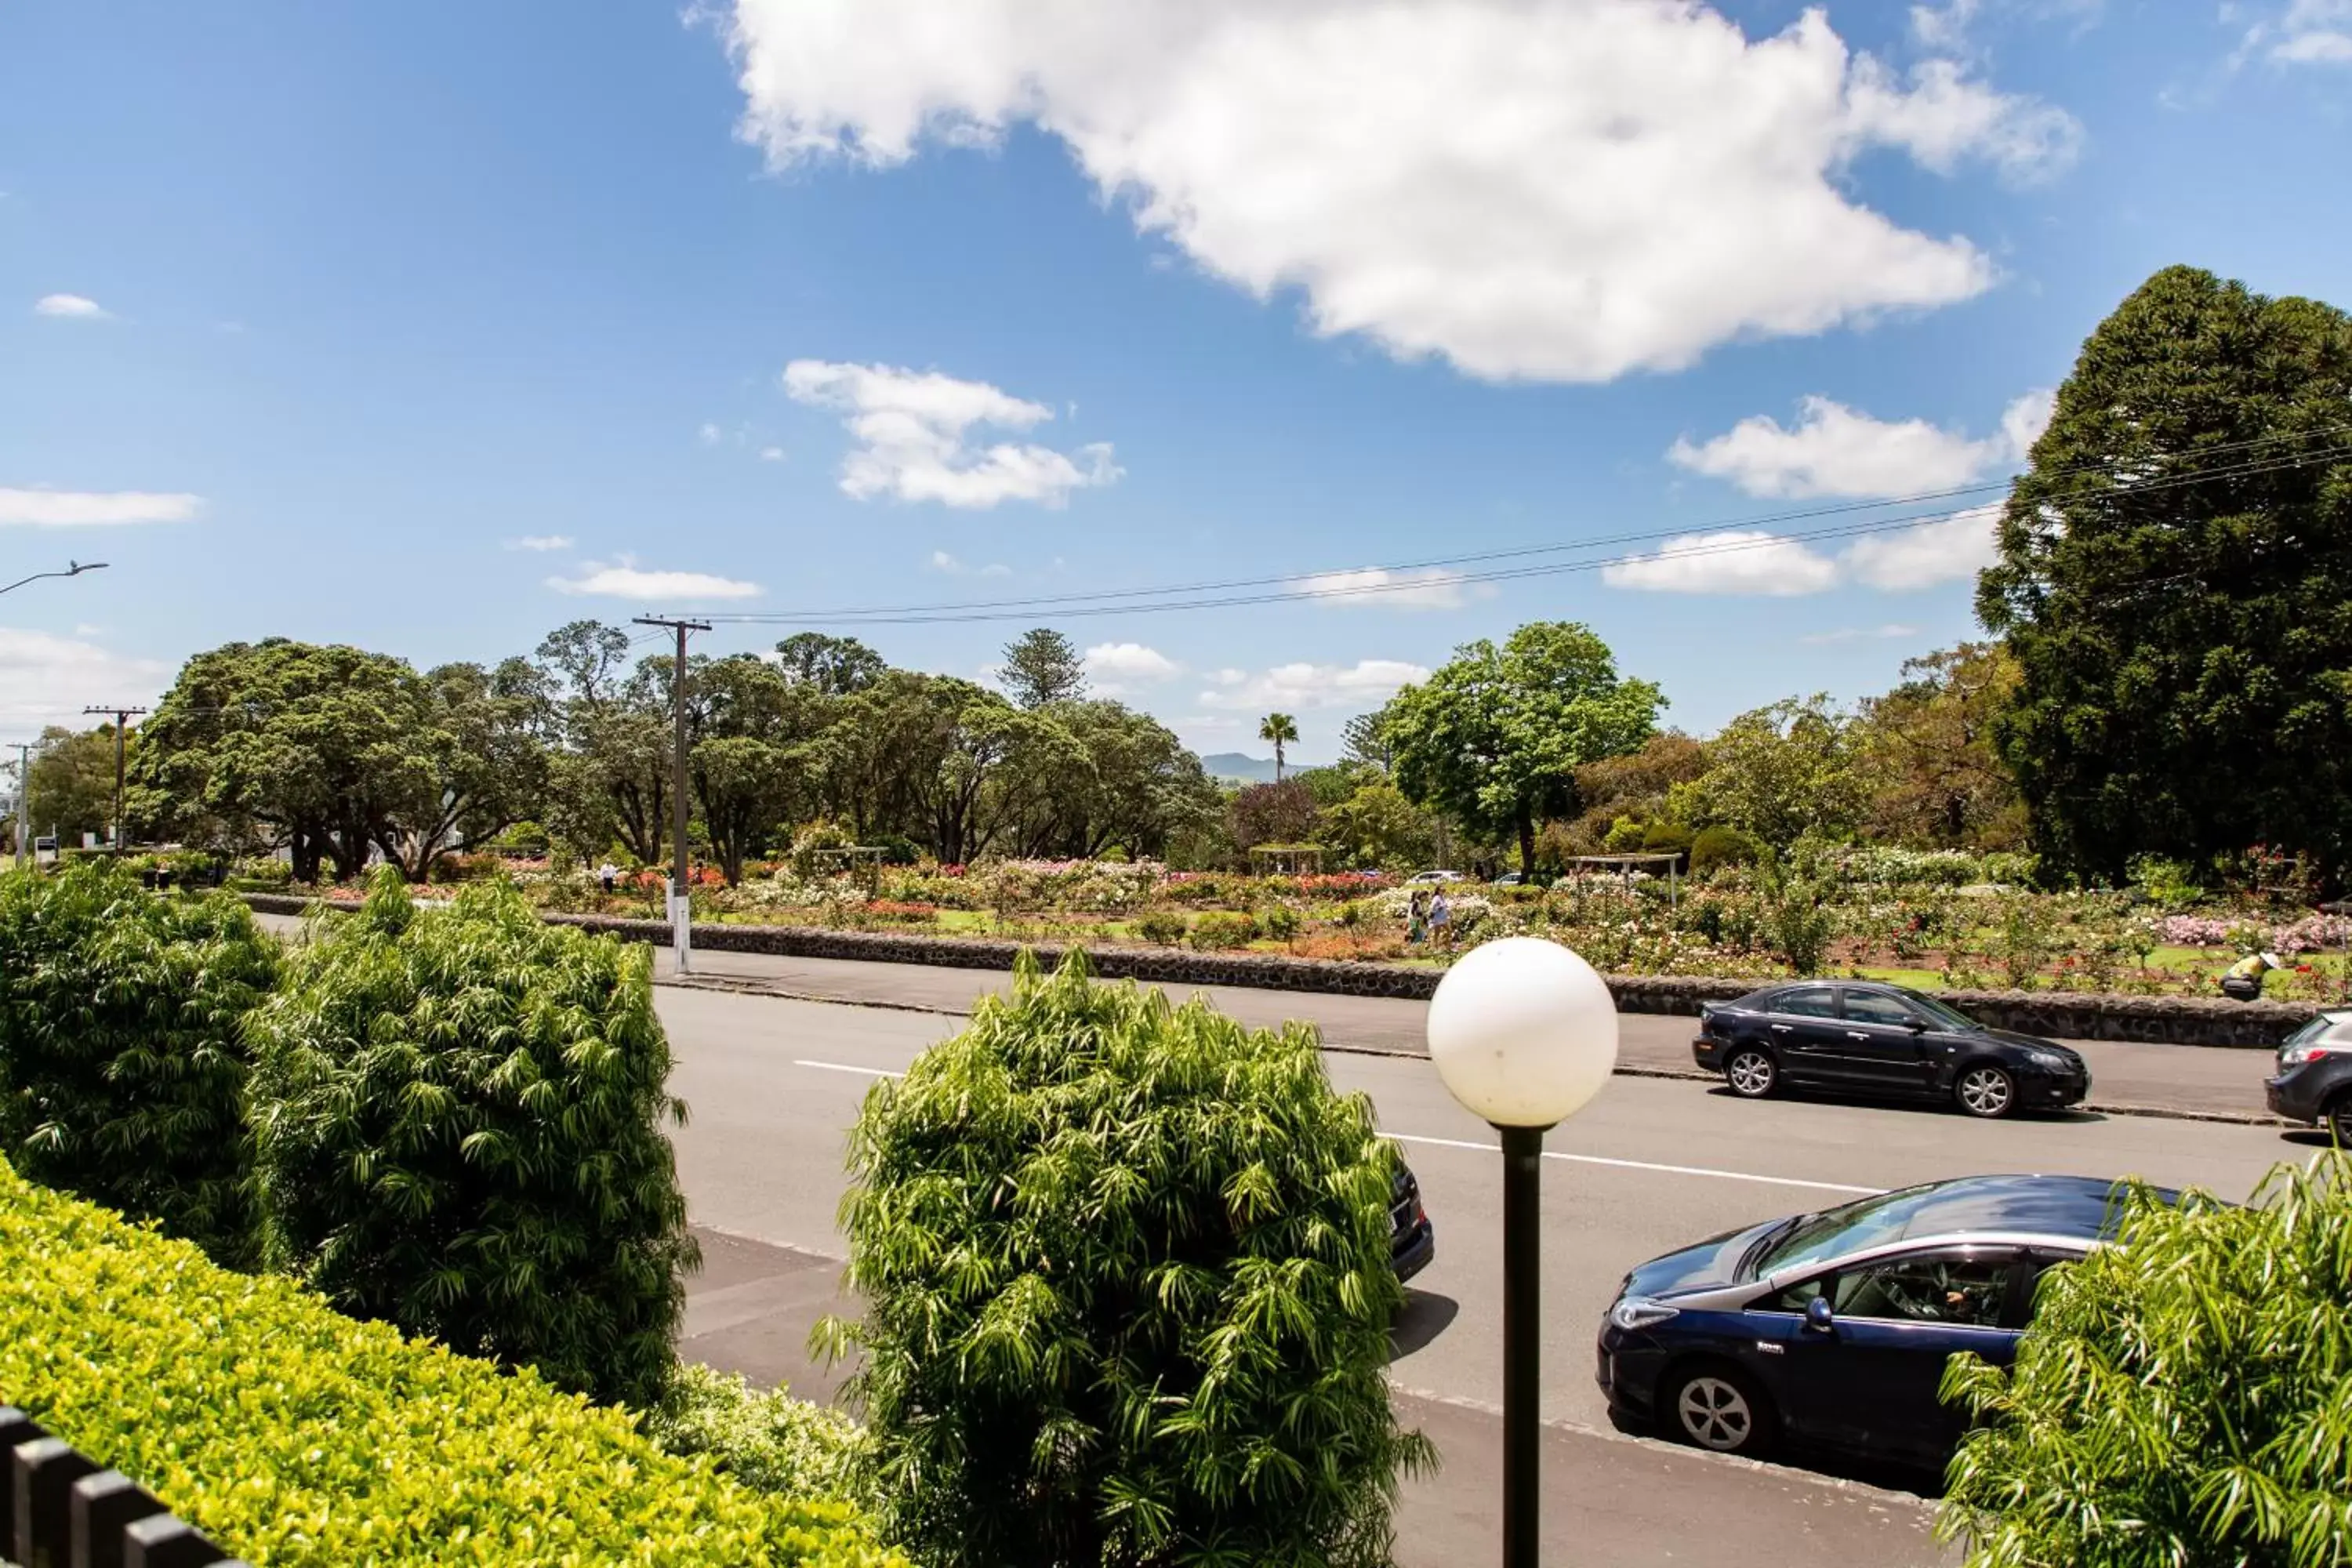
1413	1240
1509	879
1831	1330
1435	876
2314	1085
1865	1038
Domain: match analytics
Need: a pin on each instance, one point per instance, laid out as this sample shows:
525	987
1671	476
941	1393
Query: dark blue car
1831	1330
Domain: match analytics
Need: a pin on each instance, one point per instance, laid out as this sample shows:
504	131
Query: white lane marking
1649	1165
1497	1148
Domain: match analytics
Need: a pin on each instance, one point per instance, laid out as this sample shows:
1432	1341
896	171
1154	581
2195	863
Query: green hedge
122	1070
459	1122
295	1436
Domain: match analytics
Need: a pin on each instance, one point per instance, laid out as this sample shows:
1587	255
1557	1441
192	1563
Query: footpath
2197	1082
1608	1499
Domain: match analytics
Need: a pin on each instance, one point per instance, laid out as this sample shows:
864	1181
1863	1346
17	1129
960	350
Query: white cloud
709	435
1834	450
542	542
772	454
93	509
2314	32
912	428
1850	634
1363	684
942	560
1552	189
1129	663
1732	560
47	679
71	306
1950	547
1426	588
624	579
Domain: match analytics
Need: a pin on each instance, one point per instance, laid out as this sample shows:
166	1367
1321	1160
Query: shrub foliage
298	1438
121	1069
2184	1398
458	1122
1128	1290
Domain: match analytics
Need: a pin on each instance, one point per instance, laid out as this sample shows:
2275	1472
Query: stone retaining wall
2157	1020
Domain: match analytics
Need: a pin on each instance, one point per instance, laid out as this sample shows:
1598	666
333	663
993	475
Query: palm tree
1278	728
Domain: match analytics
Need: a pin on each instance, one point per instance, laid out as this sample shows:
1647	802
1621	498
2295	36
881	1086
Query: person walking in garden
1416	918
1441	920
608	874
2244	978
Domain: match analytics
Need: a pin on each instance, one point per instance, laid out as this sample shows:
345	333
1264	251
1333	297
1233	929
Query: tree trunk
1527	844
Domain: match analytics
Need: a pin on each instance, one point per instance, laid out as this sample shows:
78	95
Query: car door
1896	1323
1882	1042
1802	1029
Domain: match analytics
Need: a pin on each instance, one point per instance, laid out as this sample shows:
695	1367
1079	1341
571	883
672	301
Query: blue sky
311	315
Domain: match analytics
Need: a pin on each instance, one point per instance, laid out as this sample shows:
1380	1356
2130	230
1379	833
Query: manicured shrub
302	1439
458	1122
1128	1286
2184	1396
1163	926
1221	929
1665	838
122	1070
1279	921
764	1438
1712	847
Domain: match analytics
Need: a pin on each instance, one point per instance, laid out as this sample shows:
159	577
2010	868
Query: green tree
834	666
2183	1397
1640	784
1280	728
71	791
324	750
1133	786
1041	668
751	752
1935	780
610	775
459	1128
1495	736
488	766
1365	737
122	1061
1781	772
2173	576
1126	1268
1270	813
1377	828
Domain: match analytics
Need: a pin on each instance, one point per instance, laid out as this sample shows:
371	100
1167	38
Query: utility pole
121	718
24	800
680	905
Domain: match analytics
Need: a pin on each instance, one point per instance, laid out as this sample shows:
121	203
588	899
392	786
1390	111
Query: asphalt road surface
773	1083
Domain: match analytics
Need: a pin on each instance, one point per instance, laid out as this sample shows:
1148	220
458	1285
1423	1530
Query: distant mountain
1237	768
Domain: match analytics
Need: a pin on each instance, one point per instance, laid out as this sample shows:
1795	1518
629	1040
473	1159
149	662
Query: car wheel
1985	1091
1718	1409
1752	1073
2339	1123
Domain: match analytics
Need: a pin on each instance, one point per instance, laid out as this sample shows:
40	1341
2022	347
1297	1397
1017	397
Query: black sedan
2314	1084
1863	1037
1831	1330
1413	1240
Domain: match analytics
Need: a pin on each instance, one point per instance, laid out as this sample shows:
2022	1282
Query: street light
1524	1034
73	569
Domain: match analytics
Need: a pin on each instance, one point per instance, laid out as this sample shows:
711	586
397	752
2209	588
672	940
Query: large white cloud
93	509
1942	550
1732	560
1834	450
2310	32
1381	588
625	579
71	307
1555	189
1363	684
49	679
913	431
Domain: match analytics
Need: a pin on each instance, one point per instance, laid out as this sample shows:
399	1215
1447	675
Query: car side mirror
1917	1025
1819	1314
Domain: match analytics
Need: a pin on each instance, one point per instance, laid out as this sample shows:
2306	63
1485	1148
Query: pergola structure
1287	859
1624	866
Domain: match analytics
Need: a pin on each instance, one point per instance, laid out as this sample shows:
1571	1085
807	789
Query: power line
1074	605
123	713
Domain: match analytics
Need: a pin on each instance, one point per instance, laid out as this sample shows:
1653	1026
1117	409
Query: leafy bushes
1222	929
457	1119
297	1436
1714	848
1162	926
2184	1396
1127	1268
764	1438
121	1071
1279	921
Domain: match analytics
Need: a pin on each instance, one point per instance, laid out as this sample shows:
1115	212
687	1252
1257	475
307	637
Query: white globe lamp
1524	1034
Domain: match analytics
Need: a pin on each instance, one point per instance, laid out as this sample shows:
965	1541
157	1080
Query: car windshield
1845	1228
1936	1013
2309	1032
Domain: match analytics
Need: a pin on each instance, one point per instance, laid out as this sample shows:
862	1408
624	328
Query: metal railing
62	1509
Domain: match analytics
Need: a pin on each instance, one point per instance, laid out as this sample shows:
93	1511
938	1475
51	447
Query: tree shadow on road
1812	1096
1425	1316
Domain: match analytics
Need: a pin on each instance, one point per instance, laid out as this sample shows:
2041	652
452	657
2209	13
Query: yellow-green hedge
294	1435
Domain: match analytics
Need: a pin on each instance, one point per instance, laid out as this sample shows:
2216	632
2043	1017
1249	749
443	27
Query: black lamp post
1524	1034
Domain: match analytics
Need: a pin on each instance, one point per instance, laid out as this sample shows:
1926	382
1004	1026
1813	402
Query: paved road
773	1083
2194	1079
